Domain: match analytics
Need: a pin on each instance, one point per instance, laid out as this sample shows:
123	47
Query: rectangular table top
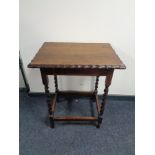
76	55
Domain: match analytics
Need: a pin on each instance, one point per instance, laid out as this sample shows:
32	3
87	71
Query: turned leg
56	87
99	121
56	83
46	82
95	90
107	84
96	84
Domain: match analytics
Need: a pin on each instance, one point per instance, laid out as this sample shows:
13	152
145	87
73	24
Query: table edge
122	66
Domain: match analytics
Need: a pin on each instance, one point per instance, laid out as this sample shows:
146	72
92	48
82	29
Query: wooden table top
76	55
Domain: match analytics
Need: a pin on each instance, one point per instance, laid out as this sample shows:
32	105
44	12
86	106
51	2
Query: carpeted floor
115	137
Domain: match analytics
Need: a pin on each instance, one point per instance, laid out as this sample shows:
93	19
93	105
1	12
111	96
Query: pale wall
79	21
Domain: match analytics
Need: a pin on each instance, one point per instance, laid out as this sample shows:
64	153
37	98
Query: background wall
79	21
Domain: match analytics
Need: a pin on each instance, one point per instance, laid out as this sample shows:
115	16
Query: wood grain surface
76	55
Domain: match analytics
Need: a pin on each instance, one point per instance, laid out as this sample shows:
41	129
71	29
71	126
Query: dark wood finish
107	84
45	81
52	109
76	118
97	104
76	55
77	71
56	83
79	59
96	84
77	93
103	103
53	104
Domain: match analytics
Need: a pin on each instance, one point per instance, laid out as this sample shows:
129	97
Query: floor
115	137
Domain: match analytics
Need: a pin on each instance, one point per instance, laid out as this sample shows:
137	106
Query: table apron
77	71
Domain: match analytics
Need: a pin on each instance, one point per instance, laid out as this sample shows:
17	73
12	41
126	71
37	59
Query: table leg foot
99	122
98	126
51	123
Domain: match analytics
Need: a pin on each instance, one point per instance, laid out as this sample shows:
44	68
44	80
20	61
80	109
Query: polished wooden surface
82	59
76	55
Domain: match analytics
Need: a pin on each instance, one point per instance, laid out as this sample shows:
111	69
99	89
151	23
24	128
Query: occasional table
79	59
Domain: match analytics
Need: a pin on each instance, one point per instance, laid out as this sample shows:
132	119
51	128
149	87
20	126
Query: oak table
79	59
